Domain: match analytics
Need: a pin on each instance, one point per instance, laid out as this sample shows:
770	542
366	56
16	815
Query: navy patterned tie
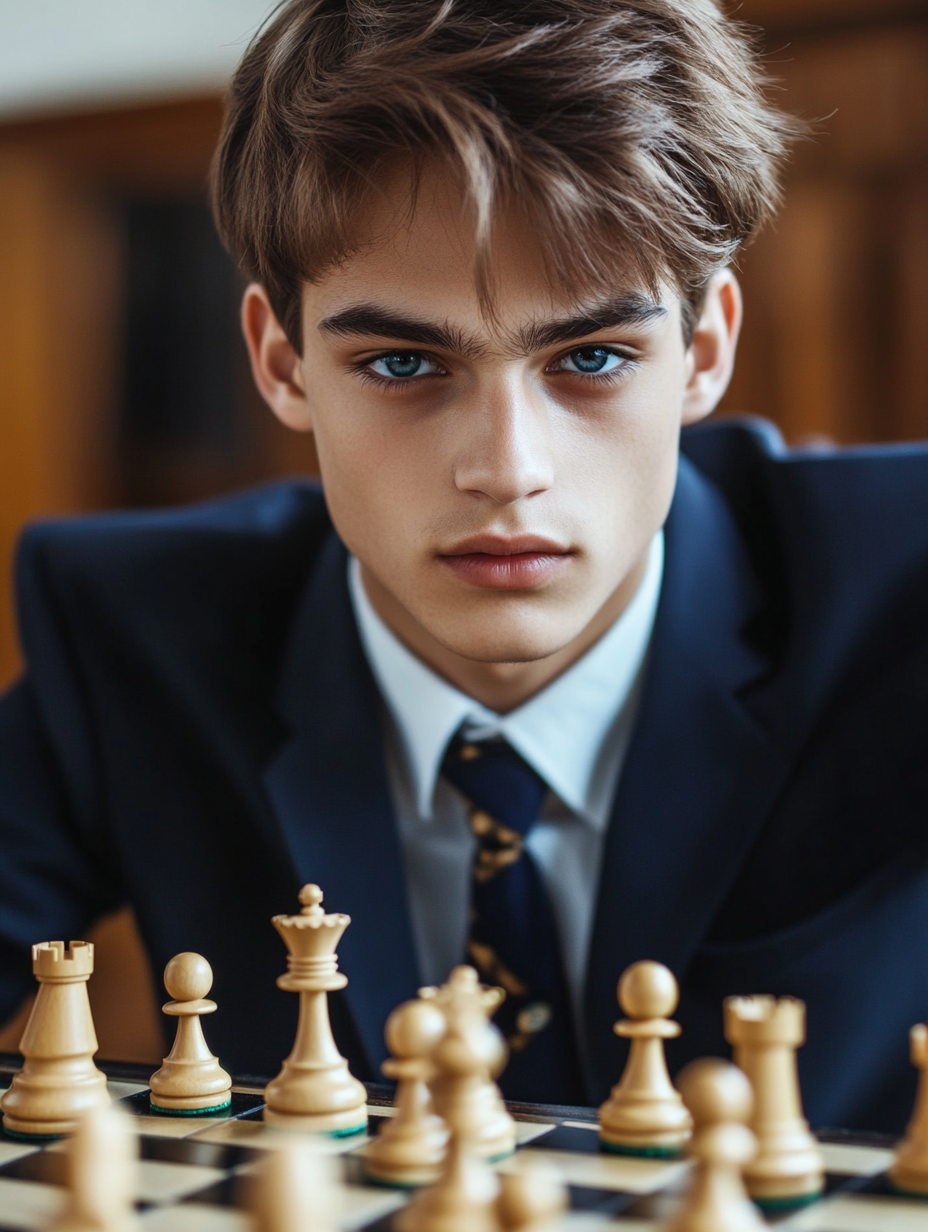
513	940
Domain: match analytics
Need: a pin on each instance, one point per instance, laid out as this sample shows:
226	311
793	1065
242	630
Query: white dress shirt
574	733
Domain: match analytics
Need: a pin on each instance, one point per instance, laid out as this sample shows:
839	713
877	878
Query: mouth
498	562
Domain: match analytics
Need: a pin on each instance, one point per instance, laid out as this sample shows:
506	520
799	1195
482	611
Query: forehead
416	254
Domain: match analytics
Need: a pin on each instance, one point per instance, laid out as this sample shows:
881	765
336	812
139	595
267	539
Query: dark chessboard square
140	1105
46	1167
603	1201
881	1185
384	1224
202	1154
836	1182
353	1170
376	1122
227	1192
565	1138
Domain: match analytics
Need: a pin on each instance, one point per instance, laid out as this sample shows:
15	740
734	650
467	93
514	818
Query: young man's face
500	479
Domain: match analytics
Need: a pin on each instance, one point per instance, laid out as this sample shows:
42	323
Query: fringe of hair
634	134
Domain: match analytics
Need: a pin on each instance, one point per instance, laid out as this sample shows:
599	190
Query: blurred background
123	380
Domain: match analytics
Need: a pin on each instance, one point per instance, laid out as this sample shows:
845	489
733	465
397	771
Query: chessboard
194	1170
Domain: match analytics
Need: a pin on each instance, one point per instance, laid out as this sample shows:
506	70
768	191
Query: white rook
58	1081
765	1033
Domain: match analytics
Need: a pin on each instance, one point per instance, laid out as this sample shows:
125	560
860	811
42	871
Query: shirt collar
560	731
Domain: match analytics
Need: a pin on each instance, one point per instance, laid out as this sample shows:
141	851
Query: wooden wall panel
835	293
58	261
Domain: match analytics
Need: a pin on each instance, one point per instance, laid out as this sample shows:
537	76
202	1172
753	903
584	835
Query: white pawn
719	1098
191	1080
531	1199
644	1114
410	1148
297	1190
909	1172
464	1197
101	1174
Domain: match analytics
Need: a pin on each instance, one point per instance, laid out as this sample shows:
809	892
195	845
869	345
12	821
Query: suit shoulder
236	561
257	518
838	540
863	505
254	534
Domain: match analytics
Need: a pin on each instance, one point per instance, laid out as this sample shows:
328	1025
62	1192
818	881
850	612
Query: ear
275	365
711	355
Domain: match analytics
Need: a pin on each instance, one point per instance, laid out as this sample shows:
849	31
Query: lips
495	562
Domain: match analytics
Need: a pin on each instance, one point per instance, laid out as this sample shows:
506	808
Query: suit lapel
330	790
700	775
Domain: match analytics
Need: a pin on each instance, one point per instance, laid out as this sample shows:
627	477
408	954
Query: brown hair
633	132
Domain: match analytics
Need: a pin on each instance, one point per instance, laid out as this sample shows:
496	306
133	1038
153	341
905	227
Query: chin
494	644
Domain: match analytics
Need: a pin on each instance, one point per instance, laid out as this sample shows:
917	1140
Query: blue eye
401	365
590	360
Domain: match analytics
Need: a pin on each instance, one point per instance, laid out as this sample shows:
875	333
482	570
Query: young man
524	685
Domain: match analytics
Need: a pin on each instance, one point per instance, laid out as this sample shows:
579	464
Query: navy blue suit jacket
198	733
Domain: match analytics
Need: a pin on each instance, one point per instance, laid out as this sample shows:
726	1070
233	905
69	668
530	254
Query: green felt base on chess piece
346	1133
641	1152
779	1206
37	1138
224	1106
383	1183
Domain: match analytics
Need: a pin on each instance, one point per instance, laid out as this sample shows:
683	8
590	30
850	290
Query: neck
500	687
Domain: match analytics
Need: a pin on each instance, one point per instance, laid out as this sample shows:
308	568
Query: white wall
57	54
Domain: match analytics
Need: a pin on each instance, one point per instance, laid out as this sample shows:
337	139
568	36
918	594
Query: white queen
314	1090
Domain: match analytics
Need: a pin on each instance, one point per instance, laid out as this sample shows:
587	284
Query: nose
505	451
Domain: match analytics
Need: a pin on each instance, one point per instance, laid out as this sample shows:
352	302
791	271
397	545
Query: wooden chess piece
909	1172
101	1169
296	1190
410	1147
464	1197
191	1081
314	1090
644	1114
494	1128
719	1098
530	1199
764	1032
58	1082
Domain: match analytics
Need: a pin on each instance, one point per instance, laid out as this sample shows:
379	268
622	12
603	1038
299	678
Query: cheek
375	477
621	459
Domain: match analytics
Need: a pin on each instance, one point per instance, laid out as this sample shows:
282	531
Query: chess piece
101	1169
764	1032
296	1190
410	1148
909	1172
494	1128
644	1114
314	1090
464	1197
718	1096
191	1081
58	1081
531	1199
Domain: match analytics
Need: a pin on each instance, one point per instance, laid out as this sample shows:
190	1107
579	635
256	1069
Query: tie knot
496	779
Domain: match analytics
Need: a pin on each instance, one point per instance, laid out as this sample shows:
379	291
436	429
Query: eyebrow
632	309
370	320
367	320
